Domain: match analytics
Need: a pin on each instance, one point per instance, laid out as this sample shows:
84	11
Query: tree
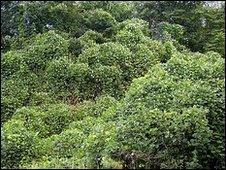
197	35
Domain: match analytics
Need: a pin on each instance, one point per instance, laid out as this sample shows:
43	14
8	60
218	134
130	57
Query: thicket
112	85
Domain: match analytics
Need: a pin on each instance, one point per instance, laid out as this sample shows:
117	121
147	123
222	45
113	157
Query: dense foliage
113	85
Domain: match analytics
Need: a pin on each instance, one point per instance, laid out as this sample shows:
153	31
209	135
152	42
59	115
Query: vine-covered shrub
94	108
196	66
68	79
40	98
14	94
109	68
142	60
65	17
106	67
90	38
216	42
78	147
46	47
99	143
175	31
120	10
156	139
130	35
75	47
161	50
114	66
179	85
67	144
18	83
45	120
16	142
210	93
134	33
137	23
87	142
11	62
57	74
99	20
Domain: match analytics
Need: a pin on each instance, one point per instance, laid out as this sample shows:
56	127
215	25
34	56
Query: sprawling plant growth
112	85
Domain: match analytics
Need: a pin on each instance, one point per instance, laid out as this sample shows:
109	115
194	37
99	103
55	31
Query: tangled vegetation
112	85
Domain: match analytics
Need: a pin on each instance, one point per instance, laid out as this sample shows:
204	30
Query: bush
58	73
90	38
120	10
142	60
94	108
155	46
75	47
196	66
155	139
46	47
16	143
99	141
14	95
73	95
130	35
68	80
109	68
176	31
98	131
183	86
67	144
78	79
134	22
45	120
216	42
109	163
40	98
107	54
11	62
83	143
99	20
20	42
67	17
169	50
56	163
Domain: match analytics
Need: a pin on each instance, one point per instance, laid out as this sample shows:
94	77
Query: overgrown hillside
103	84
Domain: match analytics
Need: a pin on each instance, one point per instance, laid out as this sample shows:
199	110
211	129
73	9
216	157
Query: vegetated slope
114	97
